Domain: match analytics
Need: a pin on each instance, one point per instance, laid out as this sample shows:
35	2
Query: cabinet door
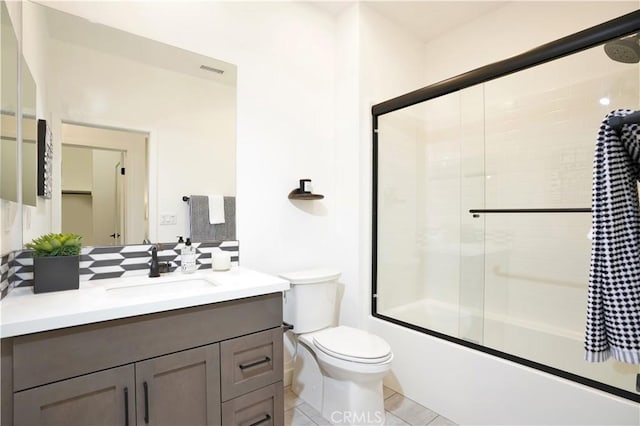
104	398
180	389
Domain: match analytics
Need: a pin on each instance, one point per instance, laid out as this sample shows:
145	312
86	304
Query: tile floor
399	411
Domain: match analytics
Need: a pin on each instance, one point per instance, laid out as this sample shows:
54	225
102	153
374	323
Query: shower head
625	50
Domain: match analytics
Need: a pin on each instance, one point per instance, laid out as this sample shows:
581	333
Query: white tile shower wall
399	262
539	153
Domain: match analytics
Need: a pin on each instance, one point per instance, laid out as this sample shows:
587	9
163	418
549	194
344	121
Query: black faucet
154	267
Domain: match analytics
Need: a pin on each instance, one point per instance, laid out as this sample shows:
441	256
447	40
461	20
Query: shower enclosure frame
582	40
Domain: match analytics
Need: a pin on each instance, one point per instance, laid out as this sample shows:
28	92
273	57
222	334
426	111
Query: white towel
216	209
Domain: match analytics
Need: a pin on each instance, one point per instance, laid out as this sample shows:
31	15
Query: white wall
77	168
344	161
77	211
77	175
511	30
391	63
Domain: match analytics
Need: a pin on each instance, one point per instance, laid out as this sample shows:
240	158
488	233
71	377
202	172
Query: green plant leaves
56	245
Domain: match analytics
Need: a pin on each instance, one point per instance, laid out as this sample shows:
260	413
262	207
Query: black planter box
56	273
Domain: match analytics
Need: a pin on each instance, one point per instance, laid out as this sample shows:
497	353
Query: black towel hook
185	198
616	121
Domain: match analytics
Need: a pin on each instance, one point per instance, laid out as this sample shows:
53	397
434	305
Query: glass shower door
430	170
541	126
483	213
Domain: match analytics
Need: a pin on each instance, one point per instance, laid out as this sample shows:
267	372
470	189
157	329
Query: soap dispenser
188	257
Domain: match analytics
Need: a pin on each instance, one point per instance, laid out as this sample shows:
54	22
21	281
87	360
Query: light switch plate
168	219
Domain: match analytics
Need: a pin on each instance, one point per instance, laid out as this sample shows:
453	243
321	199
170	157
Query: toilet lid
352	344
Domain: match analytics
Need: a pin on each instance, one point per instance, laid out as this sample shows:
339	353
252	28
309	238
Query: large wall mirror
8	107
118	101
29	137
9	143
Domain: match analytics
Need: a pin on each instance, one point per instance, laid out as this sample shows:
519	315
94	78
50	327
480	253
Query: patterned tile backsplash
6	274
114	261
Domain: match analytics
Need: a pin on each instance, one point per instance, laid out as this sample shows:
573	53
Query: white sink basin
164	288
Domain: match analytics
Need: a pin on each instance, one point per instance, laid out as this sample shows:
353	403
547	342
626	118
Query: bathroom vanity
214	357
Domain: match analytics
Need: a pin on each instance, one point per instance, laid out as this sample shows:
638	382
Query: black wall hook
616	122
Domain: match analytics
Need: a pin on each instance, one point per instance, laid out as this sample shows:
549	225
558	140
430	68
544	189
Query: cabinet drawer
250	362
262	407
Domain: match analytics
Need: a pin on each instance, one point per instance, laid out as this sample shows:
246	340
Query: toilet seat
353	345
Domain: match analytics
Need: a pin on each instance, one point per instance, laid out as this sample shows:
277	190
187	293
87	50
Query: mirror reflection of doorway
91	204
102	198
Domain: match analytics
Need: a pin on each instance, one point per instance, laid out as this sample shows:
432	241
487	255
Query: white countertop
23	312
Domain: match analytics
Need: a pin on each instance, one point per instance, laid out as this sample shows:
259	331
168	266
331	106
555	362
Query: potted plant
56	262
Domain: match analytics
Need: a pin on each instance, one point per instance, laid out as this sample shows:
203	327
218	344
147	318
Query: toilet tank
310	304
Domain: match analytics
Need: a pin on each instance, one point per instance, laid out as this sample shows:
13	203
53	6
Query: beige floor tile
313	414
401	411
291	400
392	420
295	417
408	410
387	392
441	421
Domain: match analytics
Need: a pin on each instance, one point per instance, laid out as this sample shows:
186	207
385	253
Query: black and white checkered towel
613	311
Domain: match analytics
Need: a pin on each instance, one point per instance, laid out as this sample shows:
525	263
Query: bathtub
473	387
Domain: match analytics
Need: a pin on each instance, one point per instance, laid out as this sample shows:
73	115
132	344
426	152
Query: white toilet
337	370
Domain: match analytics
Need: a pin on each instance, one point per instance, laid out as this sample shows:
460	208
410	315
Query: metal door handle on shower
478	212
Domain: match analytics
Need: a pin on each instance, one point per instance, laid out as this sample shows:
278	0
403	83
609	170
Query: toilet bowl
337	370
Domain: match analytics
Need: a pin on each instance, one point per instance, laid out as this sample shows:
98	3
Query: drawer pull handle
286	326
146	402
254	363
126	407
266	418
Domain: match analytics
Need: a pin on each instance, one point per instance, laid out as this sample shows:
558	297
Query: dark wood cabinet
180	389
260	407
250	362
207	365
106	398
